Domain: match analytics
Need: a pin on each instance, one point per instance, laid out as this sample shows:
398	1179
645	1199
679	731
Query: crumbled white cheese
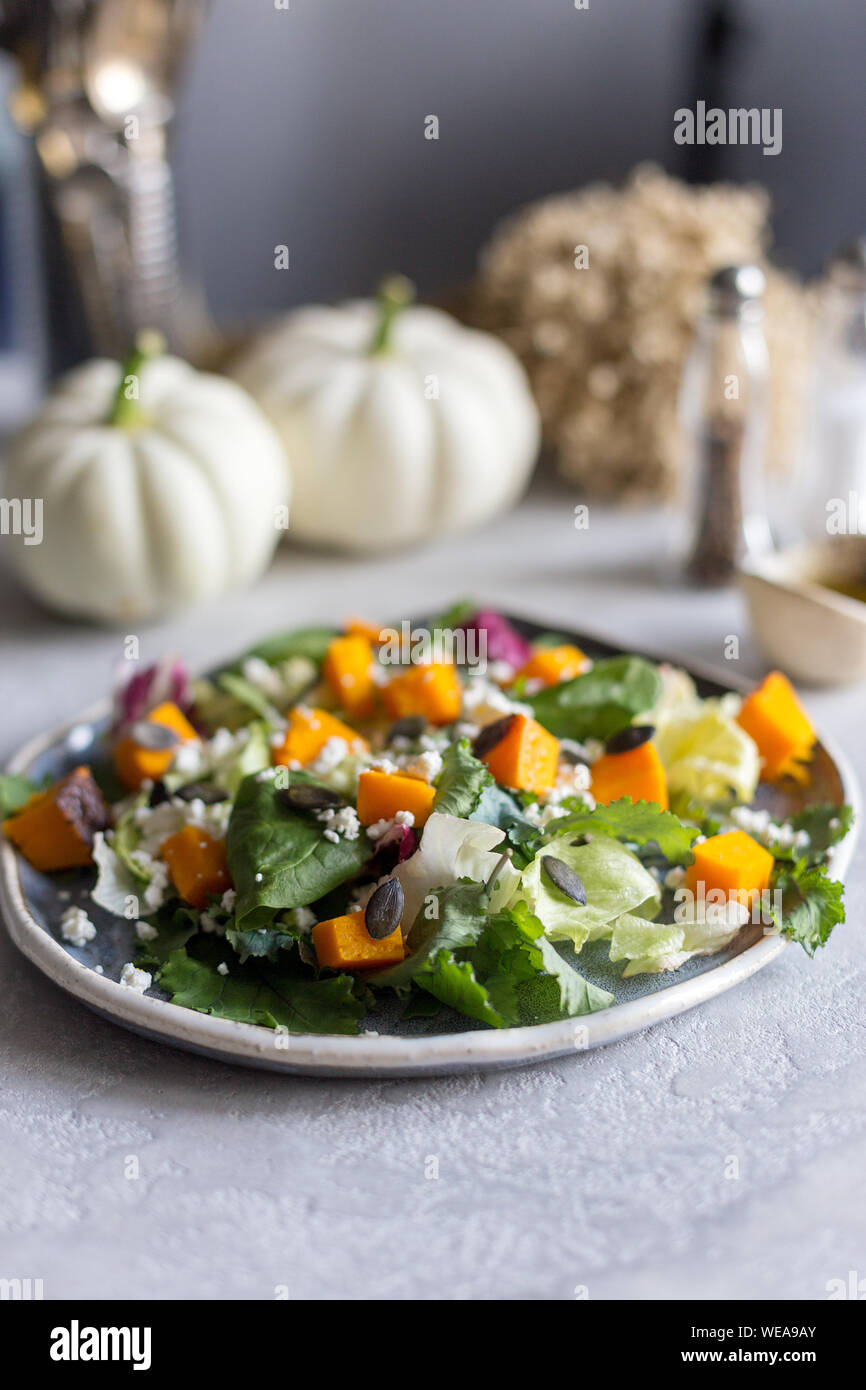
228	900
264	678
157	887
426	766
222	968
384	764
76	927
136	980
483	702
145	932
675	877
157	823
190	759
343	823
331	754
762	827
380	828
303	918
502	672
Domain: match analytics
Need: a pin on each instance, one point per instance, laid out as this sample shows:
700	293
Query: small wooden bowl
807	629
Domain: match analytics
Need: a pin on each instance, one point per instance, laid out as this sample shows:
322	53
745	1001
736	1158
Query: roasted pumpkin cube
307	734
382	794
197	865
553	664
637	773
54	830
136	764
342	943
773	716
433	690
526	757
348	670
733	864
361	628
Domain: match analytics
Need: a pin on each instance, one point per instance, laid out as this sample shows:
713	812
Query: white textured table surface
608	1170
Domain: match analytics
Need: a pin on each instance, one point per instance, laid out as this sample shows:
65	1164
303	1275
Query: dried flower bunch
604	345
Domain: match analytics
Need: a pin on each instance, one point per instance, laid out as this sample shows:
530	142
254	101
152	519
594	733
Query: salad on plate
347	815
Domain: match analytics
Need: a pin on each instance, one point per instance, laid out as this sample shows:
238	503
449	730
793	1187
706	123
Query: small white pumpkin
399	422
160	486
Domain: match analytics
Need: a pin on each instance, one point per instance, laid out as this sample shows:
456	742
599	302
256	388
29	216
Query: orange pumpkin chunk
307	734
433	691
54	830
197	864
553	664
382	794
638	773
342	943
733	864
136	764
526	758
773	716
361	628
348	670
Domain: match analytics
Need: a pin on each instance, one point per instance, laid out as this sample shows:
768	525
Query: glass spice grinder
723	416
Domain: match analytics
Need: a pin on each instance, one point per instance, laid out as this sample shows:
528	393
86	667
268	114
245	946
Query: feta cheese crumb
343	823
228	900
380	828
222	968
136	980
76	927
332	753
303	918
427	766
145	932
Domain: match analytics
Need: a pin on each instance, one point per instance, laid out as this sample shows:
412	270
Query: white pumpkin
399	422
160	486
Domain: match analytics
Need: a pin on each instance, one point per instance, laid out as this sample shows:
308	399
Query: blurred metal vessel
96	93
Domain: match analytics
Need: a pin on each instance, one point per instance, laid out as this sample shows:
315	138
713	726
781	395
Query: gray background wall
306	127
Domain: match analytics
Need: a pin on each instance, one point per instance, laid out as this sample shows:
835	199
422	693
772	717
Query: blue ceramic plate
33	904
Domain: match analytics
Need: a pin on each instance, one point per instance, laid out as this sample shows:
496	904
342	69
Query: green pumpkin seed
303	796
410	726
156	738
491	735
628	739
563	878
384	911
208	792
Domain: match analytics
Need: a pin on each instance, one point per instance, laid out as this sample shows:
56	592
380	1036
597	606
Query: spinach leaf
600	702
279	858
283	998
311	642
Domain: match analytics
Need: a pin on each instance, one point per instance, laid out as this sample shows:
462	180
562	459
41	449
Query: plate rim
371	1054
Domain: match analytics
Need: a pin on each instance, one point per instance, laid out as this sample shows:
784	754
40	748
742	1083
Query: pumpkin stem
394	294
126	407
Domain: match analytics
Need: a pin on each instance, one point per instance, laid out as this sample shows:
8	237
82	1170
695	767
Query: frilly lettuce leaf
615	882
451	849
635	823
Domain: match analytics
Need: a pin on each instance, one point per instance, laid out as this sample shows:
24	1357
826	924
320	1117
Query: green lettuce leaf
615	882
600	702
248	694
279	858
272	997
453	982
15	791
461	782
634	823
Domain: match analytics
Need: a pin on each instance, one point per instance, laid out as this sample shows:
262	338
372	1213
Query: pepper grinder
723	413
